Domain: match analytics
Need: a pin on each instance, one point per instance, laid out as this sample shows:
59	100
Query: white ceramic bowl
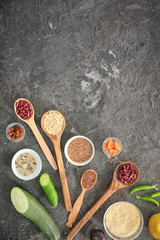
106	153
135	235
37	170
78	163
11	125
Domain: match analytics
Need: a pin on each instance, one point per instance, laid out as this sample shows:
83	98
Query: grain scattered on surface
53	122
122	219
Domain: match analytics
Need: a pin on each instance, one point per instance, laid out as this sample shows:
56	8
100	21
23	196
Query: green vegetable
143	187
153	195
49	189
148	200
28	206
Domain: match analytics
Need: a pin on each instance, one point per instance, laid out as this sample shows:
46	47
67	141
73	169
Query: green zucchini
28	206
49	189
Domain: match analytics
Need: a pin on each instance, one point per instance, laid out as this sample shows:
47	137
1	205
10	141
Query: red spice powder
80	150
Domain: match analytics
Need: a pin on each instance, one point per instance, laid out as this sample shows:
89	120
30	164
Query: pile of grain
80	150
122	219
53	122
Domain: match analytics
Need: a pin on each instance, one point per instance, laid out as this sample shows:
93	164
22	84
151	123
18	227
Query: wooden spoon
56	143
77	205
115	185
37	134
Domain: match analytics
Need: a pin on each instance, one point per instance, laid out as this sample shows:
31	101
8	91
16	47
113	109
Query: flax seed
80	150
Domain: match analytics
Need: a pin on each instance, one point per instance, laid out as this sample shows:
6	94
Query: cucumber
49	189
28	206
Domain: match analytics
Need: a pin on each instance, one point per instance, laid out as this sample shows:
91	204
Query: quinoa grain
53	122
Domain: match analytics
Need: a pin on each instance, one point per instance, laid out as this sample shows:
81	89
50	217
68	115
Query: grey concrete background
98	63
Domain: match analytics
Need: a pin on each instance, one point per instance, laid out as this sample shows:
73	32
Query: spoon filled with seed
88	180
53	124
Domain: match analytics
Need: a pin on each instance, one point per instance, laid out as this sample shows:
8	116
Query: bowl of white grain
26	164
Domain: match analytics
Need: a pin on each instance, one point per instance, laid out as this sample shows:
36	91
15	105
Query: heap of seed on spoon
53	124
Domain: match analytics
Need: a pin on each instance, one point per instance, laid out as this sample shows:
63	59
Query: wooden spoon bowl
56	143
37	134
115	185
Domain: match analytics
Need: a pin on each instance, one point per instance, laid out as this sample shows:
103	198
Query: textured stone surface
98	63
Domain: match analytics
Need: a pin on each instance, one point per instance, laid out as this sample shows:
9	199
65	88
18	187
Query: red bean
24	109
130	177
25	104
132	180
17	104
127	173
21	108
125	177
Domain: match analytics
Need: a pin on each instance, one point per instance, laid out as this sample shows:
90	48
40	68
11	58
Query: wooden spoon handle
90	213
65	189
75	210
43	145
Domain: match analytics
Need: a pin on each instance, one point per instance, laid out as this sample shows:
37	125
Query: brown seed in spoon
88	179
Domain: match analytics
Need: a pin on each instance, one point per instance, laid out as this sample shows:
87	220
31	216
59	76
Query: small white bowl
106	153
37	170
78	163
133	236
